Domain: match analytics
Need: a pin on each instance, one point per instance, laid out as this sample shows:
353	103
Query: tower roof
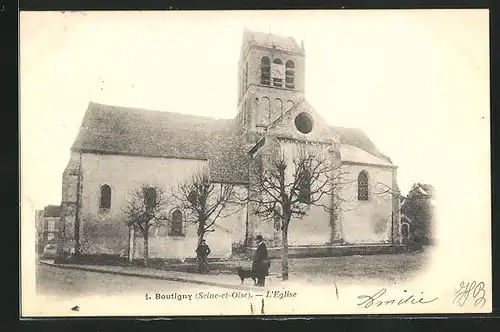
272	41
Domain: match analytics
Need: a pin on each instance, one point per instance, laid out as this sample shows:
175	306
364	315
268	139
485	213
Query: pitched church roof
140	132
133	131
353	154
356	138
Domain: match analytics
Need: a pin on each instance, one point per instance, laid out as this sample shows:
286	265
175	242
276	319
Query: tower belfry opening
272	72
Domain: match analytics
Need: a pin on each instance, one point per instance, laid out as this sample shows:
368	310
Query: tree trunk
200	238
201	233
284	254
131	244
146	248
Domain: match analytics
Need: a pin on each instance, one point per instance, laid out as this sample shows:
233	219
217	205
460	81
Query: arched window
290	74
363	186
265	71
176	224
264	111
305	187
105	201
405	231
277	73
150	198
277	109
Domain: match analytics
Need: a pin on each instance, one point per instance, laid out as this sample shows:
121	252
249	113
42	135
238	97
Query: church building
119	149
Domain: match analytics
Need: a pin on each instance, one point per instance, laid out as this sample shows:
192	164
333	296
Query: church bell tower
271	80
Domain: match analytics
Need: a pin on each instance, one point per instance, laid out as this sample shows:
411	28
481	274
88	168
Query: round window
304	123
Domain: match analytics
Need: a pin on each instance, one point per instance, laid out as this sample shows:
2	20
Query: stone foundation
331	251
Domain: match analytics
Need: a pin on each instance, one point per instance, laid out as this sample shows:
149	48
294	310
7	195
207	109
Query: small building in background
48	228
417	215
39	231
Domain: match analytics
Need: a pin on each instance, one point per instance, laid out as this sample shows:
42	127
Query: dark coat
203	250
261	261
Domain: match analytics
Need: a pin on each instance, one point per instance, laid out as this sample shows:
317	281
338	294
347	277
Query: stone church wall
105	230
367	221
312	229
69	196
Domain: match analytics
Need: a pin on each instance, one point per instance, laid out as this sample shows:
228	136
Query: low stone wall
329	251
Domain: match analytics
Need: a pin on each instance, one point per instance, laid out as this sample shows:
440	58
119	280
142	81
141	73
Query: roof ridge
131	109
110	129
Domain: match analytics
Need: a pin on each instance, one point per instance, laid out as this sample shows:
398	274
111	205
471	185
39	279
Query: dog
246	273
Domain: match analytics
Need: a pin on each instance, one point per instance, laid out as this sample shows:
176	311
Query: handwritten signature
379	299
466	289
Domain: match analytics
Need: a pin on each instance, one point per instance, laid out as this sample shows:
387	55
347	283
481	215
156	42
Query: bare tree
144	209
203	202
386	192
285	191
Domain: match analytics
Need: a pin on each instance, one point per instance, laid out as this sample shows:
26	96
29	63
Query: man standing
261	263
202	253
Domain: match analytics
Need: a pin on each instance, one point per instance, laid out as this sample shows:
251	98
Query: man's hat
259	238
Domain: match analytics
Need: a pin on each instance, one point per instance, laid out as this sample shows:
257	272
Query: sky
415	81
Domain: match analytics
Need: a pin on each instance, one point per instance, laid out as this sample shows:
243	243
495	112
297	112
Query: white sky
417	82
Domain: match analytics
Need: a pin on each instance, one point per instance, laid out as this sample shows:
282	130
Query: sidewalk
216	280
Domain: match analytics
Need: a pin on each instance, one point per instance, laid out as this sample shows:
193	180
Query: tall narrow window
176	223
193	198
290	74
276	110
265	71
405	231
150	198
277	73
105	201
363	186
305	187
244	114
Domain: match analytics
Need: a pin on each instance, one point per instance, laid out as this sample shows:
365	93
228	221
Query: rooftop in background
52	211
422	189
